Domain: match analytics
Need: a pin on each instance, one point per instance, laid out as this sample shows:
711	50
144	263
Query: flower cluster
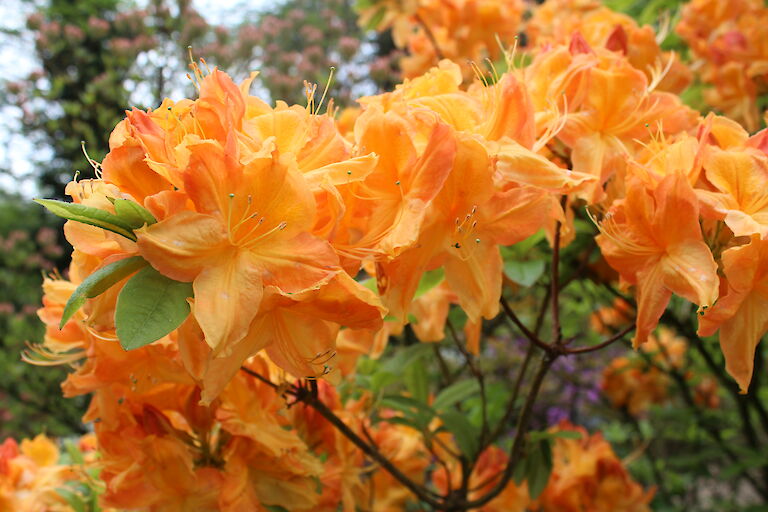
728	41
587	475
227	240
637	382
31	476
464	31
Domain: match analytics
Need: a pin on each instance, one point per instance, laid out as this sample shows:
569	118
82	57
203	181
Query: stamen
96	165
325	91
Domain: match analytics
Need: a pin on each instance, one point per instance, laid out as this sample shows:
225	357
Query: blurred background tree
30	398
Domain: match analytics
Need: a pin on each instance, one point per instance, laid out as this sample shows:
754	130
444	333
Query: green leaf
149	307
416	411
405	357
466	435
133	213
524	273
429	280
75	455
455	393
382	379
457	317
99	282
89	215
539	465
406	404
417	381
529	243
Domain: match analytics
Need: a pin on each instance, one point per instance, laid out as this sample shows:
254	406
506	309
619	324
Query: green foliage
30	396
149	307
99	282
89	215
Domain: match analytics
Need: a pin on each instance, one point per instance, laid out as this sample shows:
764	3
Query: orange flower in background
514	498
587	475
611	317
634	383
653	239
729	41
463	30
30	476
741	315
555	21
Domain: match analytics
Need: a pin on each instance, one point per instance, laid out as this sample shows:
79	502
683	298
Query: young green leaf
149	307
99	282
133	213
455	393
89	215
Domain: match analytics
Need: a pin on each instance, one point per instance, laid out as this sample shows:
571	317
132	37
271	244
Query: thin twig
478	374
510	409
616	337
557	335
526	332
515	451
306	396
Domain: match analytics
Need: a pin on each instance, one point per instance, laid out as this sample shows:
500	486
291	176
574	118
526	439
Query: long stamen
272	231
96	165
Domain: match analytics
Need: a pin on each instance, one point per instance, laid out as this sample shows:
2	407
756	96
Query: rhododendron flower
587	475
654	241
249	230
741	315
739	197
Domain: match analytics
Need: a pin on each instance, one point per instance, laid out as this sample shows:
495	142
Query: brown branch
526	332
478	374
515	451
557	335
510	409
309	398
616	337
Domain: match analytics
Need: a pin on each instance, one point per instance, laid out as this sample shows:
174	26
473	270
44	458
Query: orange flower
610	105
728	39
739	197
485	475
741	315
249	230
587	475
654	241
556	20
